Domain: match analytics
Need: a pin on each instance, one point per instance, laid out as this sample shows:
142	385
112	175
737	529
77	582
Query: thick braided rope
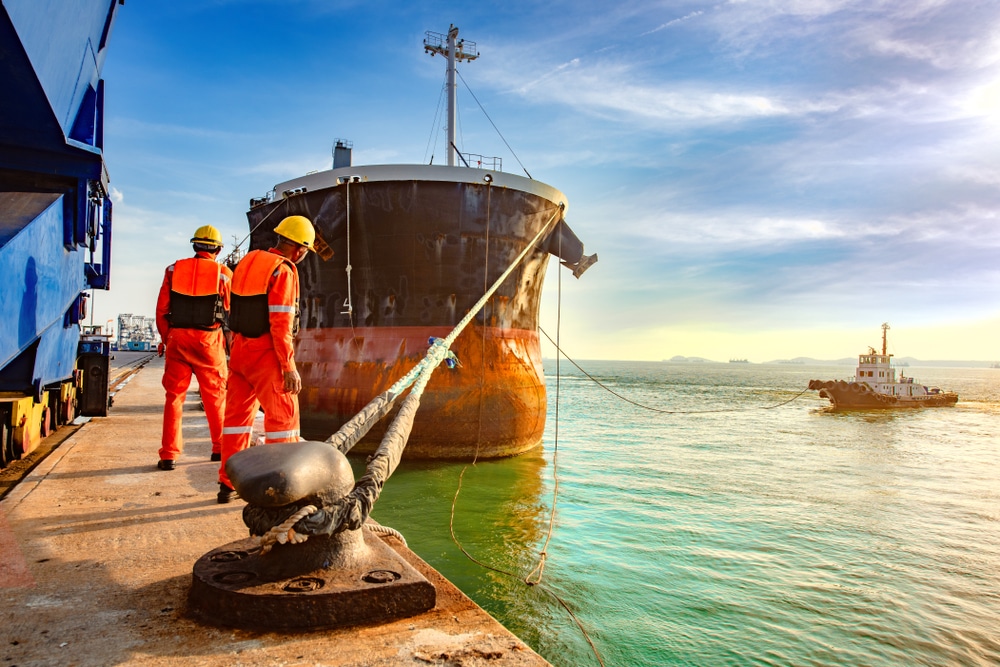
284	533
354	429
386	530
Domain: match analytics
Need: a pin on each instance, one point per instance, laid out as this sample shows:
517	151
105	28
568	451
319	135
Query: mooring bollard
345	578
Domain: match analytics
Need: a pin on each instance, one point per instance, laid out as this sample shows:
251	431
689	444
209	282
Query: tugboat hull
857	396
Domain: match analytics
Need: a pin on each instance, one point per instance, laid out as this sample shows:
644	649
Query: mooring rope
285	532
352	511
354	429
543	554
386	530
666	412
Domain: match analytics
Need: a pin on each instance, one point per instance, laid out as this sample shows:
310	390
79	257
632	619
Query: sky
761	179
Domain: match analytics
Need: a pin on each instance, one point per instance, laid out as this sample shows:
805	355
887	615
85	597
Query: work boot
216	456
225	494
165	464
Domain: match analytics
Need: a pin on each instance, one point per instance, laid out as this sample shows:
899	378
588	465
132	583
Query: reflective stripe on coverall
192	351
257	365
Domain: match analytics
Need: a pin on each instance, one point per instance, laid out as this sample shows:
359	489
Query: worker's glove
161	349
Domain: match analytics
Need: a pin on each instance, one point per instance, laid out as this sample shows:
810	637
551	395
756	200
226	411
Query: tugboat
412	249
875	386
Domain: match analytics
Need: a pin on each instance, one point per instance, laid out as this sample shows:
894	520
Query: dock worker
191	312
264	321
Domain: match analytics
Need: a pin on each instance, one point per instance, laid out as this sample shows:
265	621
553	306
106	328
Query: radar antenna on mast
454	49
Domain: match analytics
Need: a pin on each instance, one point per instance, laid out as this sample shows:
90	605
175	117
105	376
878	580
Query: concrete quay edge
97	548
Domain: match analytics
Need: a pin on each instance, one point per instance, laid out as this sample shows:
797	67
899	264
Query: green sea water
728	534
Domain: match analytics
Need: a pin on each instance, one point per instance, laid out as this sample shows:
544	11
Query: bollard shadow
148	517
132	470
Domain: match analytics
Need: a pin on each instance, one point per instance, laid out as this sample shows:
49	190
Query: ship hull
423	246
492	406
857	396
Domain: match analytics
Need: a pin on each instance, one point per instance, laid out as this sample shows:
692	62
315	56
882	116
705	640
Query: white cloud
673	22
616	91
740	230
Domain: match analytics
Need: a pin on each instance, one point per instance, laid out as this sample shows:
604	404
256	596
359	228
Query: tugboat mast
885	327
449	46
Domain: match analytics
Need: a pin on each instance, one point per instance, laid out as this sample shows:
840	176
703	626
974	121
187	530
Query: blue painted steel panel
65	43
43	281
55	218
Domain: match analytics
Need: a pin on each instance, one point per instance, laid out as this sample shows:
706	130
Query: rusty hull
492	406
422	253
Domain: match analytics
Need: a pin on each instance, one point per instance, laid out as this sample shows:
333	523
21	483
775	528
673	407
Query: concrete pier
97	548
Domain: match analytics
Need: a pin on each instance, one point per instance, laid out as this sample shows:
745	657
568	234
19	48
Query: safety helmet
207	235
298	229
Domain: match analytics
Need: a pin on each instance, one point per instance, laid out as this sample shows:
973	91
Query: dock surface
97	548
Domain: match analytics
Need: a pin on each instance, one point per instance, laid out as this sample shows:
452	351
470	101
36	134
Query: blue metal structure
55	213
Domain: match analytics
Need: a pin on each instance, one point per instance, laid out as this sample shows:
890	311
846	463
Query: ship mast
455	50
885	328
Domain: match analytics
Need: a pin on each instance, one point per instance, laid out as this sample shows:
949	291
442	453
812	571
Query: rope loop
285	532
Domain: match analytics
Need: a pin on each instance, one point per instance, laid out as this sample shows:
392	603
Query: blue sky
760	178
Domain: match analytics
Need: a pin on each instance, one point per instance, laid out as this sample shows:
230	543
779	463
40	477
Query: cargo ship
875	386
404	252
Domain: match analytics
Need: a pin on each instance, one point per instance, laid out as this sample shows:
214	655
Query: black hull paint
422	253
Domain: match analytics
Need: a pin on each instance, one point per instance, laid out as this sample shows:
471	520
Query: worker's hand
161	349
293	383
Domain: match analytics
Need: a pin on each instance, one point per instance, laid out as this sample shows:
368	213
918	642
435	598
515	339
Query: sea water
705	526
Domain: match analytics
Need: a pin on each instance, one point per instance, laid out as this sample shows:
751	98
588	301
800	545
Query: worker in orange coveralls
190	316
264	320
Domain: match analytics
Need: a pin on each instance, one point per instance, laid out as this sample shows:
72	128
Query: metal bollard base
236	586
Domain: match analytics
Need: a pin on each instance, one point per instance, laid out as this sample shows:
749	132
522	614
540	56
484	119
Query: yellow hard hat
207	235
298	229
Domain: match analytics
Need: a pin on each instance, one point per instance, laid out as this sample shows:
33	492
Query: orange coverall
257	365
190	351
